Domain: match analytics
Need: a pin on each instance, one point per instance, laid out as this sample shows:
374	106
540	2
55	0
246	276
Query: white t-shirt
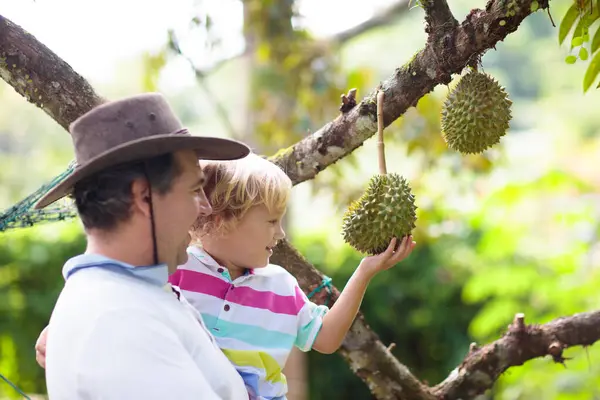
116	333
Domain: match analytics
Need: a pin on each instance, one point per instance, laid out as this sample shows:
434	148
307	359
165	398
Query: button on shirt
256	319
116	333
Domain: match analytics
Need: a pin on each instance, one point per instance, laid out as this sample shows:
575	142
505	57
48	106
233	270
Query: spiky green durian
476	114
385	210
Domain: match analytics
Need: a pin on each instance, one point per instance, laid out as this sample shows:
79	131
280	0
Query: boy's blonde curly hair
233	187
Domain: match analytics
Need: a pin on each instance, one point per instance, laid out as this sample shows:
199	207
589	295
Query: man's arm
130	354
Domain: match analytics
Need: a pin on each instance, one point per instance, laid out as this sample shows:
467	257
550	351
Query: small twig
348	101
519	323
380	144
201	79
551	20
391	346
383	17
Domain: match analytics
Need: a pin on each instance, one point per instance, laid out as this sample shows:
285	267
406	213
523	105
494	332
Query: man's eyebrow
200	182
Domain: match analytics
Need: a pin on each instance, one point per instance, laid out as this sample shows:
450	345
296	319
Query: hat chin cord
152	224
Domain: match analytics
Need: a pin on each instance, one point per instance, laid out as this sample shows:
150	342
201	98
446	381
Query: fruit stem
380	145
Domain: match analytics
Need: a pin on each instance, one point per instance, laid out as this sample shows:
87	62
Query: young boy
255	310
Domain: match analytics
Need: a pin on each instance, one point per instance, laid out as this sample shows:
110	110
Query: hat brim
207	148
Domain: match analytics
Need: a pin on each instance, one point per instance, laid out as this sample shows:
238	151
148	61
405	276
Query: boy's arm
338	320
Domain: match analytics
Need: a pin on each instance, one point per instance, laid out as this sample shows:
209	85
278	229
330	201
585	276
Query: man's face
177	210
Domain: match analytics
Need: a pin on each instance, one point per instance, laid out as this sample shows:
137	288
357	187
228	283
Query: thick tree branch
42	77
483	366
454	48
386	377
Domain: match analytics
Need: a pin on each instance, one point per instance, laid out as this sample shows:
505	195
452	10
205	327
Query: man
116	332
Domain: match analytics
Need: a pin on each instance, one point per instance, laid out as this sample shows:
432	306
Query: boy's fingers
390	249
405	249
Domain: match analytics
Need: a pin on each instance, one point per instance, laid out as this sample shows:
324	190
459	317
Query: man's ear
140	192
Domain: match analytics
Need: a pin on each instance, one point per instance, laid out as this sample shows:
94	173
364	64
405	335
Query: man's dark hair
104	199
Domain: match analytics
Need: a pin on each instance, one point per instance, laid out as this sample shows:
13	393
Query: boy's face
250	242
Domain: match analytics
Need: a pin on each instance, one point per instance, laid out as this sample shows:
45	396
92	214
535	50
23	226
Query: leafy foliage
30	281
579	18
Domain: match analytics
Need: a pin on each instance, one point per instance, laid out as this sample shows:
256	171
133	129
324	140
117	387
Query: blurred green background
513	230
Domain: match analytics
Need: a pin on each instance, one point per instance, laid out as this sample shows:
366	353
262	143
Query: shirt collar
210	262
154	274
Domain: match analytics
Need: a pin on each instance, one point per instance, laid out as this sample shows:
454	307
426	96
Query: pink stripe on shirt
246	296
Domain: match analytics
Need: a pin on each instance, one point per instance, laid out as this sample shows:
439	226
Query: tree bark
42	77
31	68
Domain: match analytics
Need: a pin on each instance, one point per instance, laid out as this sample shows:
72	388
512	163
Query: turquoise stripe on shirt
252	335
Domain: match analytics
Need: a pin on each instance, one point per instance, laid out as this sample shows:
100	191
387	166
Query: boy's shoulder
197	259
274	271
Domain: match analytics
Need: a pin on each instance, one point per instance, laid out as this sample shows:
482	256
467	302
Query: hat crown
115	123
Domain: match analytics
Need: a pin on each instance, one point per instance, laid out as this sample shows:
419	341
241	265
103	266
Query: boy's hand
386	260
40	348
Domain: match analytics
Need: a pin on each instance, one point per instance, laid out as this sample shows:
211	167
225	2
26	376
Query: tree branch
438	17
42	77
383	17
483	366
456	47
201	79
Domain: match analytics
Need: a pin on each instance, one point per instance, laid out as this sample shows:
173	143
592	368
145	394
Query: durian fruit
385	210
476	114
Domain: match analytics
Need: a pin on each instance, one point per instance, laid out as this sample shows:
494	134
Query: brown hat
131	129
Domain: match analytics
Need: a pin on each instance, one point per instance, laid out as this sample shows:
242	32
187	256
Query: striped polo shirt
256	318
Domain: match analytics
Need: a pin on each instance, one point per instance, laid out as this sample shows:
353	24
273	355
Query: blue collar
154	274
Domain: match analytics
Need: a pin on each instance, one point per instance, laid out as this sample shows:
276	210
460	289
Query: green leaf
583	54
567	22
582	28
595	42
592	72
570	59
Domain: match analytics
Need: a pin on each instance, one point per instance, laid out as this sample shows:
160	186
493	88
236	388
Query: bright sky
94	35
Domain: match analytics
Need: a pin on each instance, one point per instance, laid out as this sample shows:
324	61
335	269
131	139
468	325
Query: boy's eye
273	221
